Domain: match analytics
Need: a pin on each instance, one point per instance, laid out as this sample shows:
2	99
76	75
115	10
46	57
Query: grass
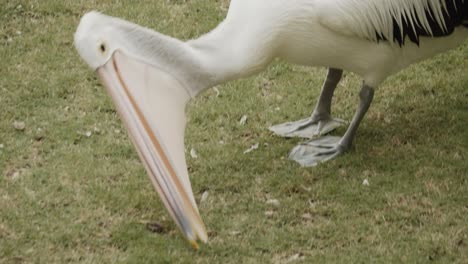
67	197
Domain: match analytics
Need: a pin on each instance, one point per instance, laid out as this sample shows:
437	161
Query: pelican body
151	76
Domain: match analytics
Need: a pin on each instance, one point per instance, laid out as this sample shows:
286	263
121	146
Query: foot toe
298	128
306	128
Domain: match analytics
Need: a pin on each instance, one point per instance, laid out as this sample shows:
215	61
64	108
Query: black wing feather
456	15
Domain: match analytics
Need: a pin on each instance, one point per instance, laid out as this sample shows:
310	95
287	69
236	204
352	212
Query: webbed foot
316	151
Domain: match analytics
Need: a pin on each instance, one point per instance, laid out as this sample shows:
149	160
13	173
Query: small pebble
273	202
298	256
204	197
269	213
155	227
15	175
234	233
307	216
19	125
193	154
243	120
365	182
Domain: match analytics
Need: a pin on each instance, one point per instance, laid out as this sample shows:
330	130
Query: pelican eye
102	47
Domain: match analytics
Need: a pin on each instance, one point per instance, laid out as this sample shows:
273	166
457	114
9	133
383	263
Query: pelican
151	76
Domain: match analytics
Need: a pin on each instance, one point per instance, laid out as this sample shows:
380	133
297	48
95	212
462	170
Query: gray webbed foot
319	150
307	128
316	151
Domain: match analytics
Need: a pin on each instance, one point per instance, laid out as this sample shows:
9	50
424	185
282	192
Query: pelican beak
151	104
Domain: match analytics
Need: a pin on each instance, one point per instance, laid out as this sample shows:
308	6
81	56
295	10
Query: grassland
72	189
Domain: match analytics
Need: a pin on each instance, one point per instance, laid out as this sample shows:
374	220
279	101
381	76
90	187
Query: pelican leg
320	122
315	151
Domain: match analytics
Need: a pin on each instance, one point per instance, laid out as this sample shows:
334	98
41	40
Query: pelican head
95	40
138	67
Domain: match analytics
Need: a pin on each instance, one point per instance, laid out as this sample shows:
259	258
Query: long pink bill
151	104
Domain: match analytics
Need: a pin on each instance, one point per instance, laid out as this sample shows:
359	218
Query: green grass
66	197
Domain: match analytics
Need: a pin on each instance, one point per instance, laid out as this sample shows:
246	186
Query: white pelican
151	77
